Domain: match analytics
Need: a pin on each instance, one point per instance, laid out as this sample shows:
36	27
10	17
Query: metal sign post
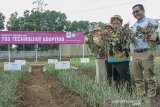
36	48
9	53
60	54
83	50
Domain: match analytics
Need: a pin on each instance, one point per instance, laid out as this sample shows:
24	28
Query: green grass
94	93
82	82
8	84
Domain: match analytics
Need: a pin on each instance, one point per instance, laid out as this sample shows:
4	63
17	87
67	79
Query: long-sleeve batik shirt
119	51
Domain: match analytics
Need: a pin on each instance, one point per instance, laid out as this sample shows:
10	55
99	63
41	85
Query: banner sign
36	37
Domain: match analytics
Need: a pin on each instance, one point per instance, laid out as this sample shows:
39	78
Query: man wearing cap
118	56
101	74
143	59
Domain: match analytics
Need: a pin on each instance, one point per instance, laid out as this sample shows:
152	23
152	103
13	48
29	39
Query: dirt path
40	89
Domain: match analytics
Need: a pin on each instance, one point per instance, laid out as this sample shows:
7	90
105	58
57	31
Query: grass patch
95	94
8	84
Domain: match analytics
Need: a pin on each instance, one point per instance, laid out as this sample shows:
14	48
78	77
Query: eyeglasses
136	11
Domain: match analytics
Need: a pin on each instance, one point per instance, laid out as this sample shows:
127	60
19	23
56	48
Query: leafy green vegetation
95	94
8	83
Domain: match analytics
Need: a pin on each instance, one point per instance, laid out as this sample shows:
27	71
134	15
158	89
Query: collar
141	20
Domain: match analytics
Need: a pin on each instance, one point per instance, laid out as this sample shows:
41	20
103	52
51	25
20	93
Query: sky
87	10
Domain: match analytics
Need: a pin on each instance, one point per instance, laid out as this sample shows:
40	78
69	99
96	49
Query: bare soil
40	89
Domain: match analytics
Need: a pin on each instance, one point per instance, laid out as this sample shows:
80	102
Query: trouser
101	73
144	71
121	72
109	71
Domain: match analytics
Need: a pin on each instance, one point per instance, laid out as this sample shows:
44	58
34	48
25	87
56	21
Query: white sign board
62	65
52	61
11	66
22	62
84	60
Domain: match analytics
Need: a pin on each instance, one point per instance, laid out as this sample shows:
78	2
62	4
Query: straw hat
116	17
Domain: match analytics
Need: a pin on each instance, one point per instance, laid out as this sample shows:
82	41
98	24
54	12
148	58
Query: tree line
43	21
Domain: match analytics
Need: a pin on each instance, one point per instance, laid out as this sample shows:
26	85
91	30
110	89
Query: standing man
118	55
143	59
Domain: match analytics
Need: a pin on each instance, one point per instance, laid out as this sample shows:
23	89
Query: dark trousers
121	72
109	71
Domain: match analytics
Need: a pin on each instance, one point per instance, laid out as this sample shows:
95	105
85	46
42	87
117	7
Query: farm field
40	89
59	88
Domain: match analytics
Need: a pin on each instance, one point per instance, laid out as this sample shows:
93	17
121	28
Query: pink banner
31	37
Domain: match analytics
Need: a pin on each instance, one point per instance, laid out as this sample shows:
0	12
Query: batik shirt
119	51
